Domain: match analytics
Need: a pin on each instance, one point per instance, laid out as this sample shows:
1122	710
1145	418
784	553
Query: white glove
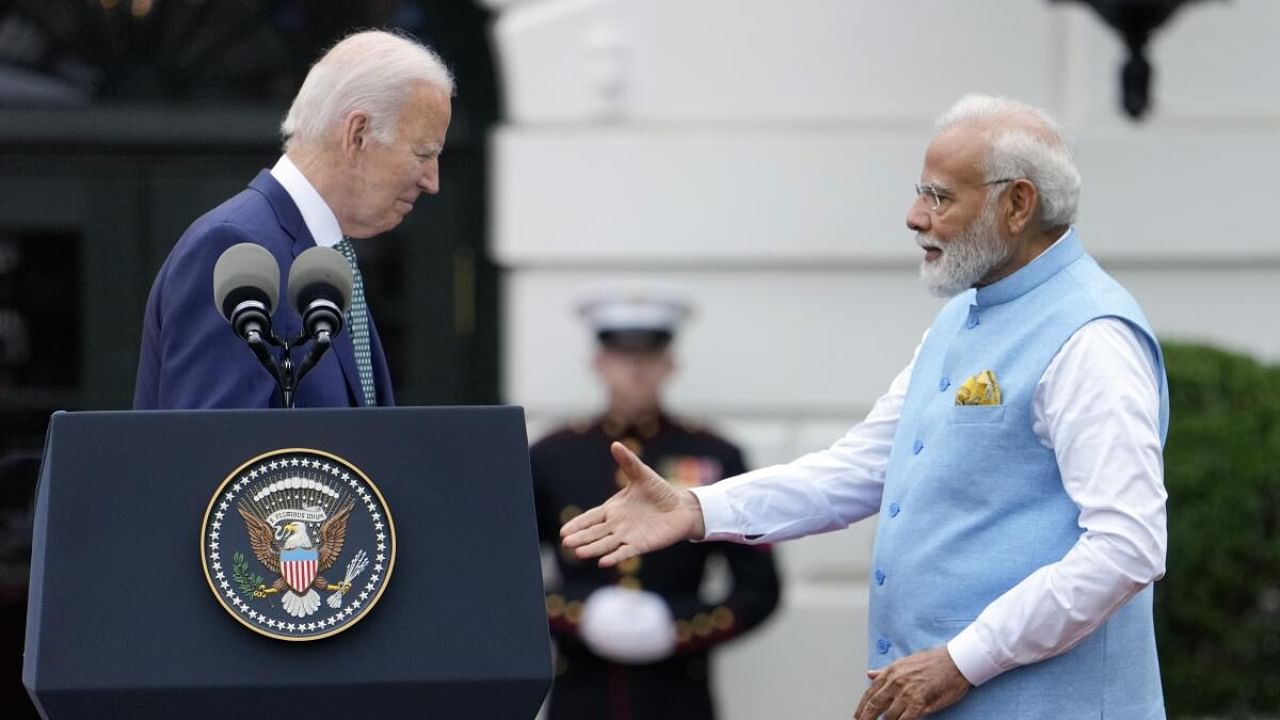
627	626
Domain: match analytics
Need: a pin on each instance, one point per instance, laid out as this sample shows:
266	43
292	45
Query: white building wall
760	156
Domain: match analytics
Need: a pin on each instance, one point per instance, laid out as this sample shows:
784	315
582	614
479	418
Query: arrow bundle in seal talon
354	568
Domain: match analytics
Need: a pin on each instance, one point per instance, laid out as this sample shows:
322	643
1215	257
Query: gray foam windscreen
319	266
243	266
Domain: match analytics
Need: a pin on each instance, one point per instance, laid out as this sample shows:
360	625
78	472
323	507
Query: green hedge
1218	607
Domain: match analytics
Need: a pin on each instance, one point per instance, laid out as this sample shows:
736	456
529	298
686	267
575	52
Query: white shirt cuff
971	657
717	515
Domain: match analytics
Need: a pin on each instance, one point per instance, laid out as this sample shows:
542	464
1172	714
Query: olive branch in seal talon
249	583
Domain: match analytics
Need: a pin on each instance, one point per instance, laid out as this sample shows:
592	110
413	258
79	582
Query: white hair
1026	142
371	71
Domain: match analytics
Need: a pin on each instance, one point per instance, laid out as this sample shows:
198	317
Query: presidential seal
297	544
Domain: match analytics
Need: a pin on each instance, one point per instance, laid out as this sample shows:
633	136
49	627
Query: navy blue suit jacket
191	358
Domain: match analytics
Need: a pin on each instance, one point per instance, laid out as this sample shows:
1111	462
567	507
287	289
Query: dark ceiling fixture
1135	21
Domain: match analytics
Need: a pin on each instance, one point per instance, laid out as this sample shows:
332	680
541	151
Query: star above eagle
289	553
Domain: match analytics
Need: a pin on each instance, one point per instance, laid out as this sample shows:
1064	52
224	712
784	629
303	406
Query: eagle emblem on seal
289	552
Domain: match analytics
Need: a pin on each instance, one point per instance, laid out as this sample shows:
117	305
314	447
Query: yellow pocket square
981	389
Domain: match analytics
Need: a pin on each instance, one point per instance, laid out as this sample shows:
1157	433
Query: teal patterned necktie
358	322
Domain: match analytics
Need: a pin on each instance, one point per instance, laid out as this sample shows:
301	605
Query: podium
123	618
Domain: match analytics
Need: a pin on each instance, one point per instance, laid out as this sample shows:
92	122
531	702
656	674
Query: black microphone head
320	284
246	272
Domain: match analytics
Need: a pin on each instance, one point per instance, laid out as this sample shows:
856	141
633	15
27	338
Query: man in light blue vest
1016	462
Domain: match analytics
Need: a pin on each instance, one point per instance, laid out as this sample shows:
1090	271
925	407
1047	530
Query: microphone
246	288
320	283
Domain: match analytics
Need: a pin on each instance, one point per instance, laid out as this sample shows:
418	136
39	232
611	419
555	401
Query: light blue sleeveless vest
973	503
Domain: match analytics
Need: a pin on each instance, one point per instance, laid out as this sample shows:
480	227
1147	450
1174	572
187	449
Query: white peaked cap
634	310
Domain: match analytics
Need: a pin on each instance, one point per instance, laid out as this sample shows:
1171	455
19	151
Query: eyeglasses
936	195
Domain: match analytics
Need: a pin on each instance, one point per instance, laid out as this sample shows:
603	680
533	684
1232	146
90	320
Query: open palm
648	514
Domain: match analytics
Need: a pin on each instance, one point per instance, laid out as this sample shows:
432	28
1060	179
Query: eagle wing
333	532
261	539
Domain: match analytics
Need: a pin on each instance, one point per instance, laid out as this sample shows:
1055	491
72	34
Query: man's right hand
648	514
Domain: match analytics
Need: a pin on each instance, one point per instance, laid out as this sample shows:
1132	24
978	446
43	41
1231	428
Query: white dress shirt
320	220
1096	406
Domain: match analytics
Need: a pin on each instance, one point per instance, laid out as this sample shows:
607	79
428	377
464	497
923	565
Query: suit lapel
290	219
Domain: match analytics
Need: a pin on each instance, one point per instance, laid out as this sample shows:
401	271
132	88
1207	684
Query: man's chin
390	224
946	293
939	286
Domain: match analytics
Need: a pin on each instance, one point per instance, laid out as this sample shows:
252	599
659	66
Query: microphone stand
322	343
287	380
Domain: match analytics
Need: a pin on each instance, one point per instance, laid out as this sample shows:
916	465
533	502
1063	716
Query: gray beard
966	259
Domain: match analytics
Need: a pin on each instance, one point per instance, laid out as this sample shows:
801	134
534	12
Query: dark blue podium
122	622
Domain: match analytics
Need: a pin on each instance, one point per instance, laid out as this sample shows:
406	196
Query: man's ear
1023	199
355	132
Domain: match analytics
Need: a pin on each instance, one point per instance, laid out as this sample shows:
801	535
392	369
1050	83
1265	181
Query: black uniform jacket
572	471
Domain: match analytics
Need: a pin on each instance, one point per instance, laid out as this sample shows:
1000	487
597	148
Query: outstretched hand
648	514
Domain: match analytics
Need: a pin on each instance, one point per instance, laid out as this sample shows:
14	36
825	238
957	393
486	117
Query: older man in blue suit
1015	462
362	142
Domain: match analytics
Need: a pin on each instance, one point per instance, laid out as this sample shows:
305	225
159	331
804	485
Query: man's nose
430	180
918	218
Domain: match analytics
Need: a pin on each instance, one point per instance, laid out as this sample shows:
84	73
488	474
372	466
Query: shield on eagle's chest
299	568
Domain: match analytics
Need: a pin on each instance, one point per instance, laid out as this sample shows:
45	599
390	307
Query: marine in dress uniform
633	642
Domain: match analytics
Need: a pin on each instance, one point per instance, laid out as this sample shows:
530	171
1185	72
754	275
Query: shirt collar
320	220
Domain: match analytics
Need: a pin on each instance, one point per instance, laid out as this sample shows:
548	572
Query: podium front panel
122	622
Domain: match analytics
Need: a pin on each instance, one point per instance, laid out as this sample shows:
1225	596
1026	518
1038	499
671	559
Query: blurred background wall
756	155
759	156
